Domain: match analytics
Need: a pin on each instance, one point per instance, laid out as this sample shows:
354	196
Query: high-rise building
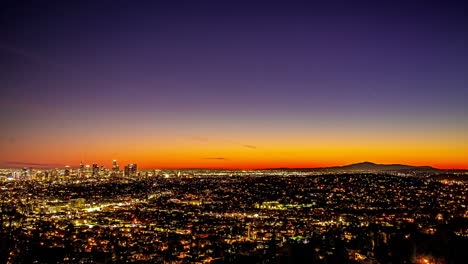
67	171
133	169
26	173
95	169
115	167
16	175
130	170
81	170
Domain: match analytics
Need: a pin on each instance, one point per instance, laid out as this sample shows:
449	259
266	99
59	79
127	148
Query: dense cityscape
93	214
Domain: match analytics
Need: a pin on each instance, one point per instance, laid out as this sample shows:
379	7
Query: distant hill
365	166
369	166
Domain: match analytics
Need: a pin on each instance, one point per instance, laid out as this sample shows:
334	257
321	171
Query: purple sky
288	62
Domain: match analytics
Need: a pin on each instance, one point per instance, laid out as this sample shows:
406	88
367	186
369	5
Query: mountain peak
366	165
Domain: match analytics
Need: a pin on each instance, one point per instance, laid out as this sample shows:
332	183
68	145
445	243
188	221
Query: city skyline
237	85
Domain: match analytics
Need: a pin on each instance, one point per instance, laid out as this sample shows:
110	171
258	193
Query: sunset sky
233	84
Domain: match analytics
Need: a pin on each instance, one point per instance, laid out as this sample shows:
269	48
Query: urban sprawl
93	214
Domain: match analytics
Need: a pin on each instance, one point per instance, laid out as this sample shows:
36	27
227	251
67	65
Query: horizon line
38	166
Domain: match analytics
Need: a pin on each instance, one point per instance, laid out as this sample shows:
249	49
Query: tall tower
81	171
126	171
25	173
66	171
95	169
130	170
133	169
115	167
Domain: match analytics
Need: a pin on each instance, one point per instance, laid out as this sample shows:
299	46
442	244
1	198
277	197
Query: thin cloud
206	140
20	163
31	56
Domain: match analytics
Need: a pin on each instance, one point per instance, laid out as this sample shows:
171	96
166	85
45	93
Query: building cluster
70	173
91	214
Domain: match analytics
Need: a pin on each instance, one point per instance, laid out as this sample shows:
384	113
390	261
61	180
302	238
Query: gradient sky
233	84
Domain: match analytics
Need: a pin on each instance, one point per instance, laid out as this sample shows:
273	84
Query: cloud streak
30	164
214	158
206	140
28	55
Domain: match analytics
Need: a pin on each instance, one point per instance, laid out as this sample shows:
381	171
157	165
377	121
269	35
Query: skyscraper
115	167
133	169
26	173
130	170
95	169
67	171
81	171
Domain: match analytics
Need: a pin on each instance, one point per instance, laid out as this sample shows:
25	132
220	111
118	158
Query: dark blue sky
368	61
231	49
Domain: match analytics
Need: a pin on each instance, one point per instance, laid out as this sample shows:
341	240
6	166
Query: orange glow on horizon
231	148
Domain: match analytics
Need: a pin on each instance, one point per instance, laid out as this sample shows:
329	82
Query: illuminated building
95	169
115	167
67	171
130	170
26	173
81	167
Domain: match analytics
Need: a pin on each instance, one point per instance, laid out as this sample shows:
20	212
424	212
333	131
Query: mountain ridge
366	166
374	166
